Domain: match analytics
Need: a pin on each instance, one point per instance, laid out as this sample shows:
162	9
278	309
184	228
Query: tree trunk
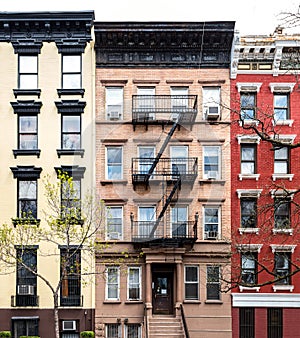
56	320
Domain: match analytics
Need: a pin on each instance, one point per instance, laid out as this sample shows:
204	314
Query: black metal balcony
73	300
167	168
24	300
164	109
174	234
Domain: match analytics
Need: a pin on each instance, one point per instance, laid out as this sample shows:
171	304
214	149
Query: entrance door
162	295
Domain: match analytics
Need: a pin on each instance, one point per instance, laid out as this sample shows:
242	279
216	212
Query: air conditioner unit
212	112
114	112
211	235
69	325
114	235
25	290
212	175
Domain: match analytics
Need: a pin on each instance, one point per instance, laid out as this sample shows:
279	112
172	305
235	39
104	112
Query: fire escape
173	112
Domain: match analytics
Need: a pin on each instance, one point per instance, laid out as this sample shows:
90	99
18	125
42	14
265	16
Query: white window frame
107	216
114	101
117	283
211	97
178	221
205	235
213	282
139	284
191	282
71	71
182	103
107	166
147	165
28	73
150	103
153	207
212	174
181	161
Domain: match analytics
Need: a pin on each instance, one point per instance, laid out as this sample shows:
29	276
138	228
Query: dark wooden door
162	293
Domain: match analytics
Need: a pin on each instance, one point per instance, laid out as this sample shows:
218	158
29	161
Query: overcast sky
251	17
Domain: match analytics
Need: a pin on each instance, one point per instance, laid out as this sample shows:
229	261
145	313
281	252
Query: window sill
283	123
213	301
33	92
289	288
78	91
104	182
112	302
249	231
283	231
26	152
133	301
70	152
282	176
249	122
212	181
249	288
27	221
249	176
187	301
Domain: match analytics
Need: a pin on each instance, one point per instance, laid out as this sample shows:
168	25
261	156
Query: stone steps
165	326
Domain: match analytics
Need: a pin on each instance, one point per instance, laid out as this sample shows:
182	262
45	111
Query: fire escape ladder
162	149
166	205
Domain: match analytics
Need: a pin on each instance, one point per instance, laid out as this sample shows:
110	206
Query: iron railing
24	300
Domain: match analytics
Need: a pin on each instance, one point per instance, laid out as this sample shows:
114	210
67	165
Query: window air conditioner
212	112
114	235
212	175
211	235
25	290
114	112
69	325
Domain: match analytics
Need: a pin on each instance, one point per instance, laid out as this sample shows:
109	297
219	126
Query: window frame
275	330
287	270
252	216
111	101
107	209
190	282
251	257
22	73
21	214
246	322
205	223
207	156
213	101
284	108
107	166
285	160
249	107
130	284
76	133
118	328
278	202
252	161
139	329
34	321
182	225
24	133
115	284
68	73
212	283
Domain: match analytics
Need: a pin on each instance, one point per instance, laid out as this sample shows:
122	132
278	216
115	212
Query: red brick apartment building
265	97
162	145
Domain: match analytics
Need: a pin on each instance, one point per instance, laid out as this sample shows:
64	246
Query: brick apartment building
46	102
162	149
265	175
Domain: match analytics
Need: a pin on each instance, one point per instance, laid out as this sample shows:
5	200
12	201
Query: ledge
282	177
79	91
70	152
213	301
33	92
112	302
249	230
249	177
249	288
134	302
26	152
289	288
187	301
104	182
283	123
282	231
208	181
249	122
28	221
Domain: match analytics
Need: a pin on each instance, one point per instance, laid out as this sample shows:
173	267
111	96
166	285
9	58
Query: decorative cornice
70	106
73	171
27	31
26	172
26	107
164	44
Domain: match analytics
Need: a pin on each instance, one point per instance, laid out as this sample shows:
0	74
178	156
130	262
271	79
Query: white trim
283	248
281	87
282	231
107	216
282	176
249	176
106	162
140	282
205	235
283	288
191	282
218	172
281	193
266	300
287	122
249	231
285	138
249	288
255	193
250	247
248	86
117	282
248	139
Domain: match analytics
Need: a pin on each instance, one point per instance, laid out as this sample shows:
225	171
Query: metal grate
247	322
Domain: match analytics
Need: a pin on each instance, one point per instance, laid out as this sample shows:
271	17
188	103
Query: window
179	158
211	160
282	213
25	326
248	159
146	217
249	268
26	278
281	160
114	163
27	135
191	282
71	199
247	322
112	283
211	102
281	107
248	106
179	216
211	222
71	71
146	103
28	71
146	156
248	212
27	198
134	283
213	286
71	132
70	269
179	101
114	103
282	267
275	322
113	331
133	331
114	222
